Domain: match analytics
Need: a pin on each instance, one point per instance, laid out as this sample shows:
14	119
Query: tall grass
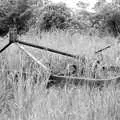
24	97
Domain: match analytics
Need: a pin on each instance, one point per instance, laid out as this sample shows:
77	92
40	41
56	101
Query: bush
54	16
16	12
81	20
107	19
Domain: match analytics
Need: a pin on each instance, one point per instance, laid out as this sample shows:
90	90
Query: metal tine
6	46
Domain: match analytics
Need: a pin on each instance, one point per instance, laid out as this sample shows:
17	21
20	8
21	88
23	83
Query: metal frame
56	77
13	39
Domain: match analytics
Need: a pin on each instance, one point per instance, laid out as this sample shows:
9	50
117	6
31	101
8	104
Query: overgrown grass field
23	93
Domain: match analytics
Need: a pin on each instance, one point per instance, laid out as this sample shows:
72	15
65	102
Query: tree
54	16
99	5
82	5
17	12
117	2
107	19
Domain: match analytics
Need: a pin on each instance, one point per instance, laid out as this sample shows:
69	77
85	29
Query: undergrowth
23	93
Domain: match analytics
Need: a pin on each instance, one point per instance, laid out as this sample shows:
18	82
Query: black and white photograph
59	59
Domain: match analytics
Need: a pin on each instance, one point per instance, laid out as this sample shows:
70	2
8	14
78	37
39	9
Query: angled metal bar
45	48
56	77
6	46
98	51
31	56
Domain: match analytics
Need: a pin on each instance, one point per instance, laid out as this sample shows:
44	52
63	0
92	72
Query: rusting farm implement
55	78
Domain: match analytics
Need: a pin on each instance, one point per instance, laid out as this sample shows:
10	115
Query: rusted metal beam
55	77
56	80
98	51
47	49
6	46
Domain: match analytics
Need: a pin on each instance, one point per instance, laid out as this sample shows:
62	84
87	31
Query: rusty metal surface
55	77
98	51
46	48
13	39
6	46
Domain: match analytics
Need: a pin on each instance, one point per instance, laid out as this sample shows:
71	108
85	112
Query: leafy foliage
54	16
107	19
16	12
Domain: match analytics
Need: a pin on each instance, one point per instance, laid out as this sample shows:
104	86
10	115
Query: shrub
16	12
54	16
107	19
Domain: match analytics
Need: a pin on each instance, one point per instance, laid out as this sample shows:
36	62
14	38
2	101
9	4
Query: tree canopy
16	12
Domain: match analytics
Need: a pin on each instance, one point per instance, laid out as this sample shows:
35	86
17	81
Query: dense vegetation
17	12
48	16
23	93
